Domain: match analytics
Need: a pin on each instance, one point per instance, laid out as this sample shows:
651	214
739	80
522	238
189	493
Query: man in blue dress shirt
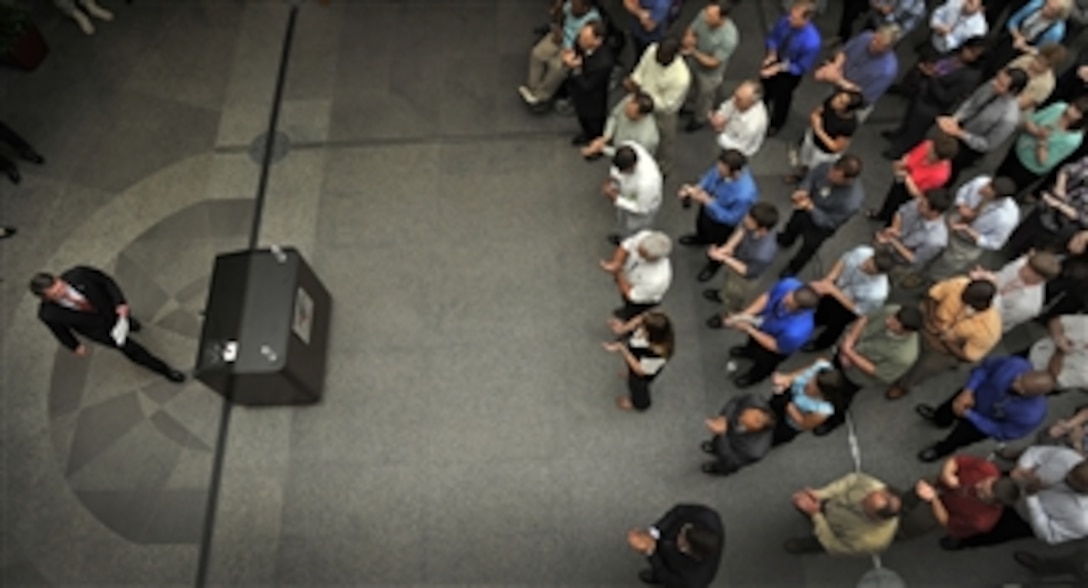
649	23
777	323
793	45
1004	399
725	193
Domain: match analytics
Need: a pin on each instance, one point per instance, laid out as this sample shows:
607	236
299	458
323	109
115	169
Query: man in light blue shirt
856	285
725	193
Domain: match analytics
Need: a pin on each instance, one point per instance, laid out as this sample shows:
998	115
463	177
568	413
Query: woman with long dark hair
646	343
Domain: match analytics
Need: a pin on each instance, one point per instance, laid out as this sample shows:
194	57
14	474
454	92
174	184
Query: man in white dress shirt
642	271
856	285
984	217
1021	287
634	187
1054	504
741	121
954	22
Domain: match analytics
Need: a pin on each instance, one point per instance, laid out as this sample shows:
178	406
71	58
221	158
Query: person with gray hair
634	187
866	64
642	271
741	121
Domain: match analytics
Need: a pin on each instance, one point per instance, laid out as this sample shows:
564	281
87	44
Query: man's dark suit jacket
588	87
675	569
103	294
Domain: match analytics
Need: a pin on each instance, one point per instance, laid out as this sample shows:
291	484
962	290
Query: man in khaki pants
748	252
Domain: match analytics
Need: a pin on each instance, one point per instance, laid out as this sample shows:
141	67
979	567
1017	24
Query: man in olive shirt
852	516
878	349
708	44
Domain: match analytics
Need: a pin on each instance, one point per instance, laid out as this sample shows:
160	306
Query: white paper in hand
120	330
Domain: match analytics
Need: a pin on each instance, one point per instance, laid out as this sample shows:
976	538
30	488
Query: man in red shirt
966	500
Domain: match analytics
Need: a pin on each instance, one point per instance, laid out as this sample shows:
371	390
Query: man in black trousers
591	67
684	547
86	301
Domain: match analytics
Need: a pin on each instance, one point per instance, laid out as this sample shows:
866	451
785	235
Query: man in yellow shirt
961	326
852	516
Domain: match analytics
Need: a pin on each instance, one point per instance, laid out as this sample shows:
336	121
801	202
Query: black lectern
266	329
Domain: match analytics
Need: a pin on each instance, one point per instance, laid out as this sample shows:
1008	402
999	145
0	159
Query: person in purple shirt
866	64
1004	399
793	45
649	22
725	193
777	323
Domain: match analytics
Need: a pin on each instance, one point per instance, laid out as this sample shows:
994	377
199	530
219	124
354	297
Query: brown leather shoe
895	393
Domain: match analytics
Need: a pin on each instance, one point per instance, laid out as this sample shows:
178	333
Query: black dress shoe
738	351
951	543
648	577
6	232
711	468
579	140
772	131
707	447
33	157
614	239
693	126
889	135
715	322
926	411
593	157
175	376
707	273
134	325
1028	560
14	175
929	455
713	295
824	429
690	240
744	381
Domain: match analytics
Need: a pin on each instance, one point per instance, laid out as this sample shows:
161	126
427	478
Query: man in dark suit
684	548
85	300
591	67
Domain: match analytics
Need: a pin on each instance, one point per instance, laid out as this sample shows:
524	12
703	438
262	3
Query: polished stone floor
467	434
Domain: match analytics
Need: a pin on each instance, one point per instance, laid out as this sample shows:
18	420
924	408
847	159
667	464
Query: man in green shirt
878	349
708	44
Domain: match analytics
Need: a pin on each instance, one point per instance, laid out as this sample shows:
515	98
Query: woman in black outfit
831	126
646	344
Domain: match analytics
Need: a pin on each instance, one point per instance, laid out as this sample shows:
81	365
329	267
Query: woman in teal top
1048	136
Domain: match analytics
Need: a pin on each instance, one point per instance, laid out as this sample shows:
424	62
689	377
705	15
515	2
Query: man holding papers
86	301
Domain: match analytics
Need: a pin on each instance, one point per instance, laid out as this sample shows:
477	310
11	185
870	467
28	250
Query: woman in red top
924	168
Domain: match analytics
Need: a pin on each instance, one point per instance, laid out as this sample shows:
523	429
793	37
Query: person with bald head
741	121
1004	399
961	325
1054	503
855	515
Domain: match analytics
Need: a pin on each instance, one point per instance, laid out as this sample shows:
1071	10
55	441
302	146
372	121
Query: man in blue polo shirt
725	193
777	323
649	23
1004	398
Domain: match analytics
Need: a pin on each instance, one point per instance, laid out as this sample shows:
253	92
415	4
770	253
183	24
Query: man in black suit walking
684	548
85	300
591	67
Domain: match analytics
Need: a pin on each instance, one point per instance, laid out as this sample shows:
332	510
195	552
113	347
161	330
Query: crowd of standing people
979	250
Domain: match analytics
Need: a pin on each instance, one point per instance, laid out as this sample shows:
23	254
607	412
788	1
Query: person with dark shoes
793	45
646	343
1074	563
7	232
683	548
936	87
742	435
828	196
708	43
856	285
641	269
631	120
804	399
925	167
986	119
1004	399
87	302
22	149
784	316
748	253
725	193
877	350
587	84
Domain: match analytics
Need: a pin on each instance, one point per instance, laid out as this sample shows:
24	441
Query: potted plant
21	43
